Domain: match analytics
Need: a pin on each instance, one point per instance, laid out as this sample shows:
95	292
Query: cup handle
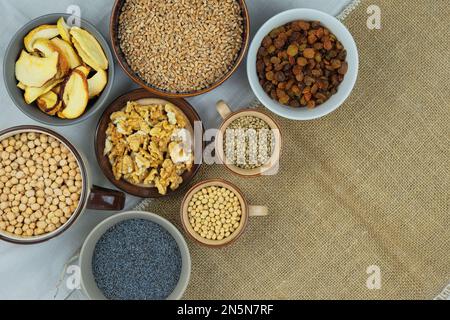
258	211
106	199
223	109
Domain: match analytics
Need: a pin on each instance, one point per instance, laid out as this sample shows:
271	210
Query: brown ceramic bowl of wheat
180	48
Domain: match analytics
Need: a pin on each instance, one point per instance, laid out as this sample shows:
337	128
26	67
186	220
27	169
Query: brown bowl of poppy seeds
180	48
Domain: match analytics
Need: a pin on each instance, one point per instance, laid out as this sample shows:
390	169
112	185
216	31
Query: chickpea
50	228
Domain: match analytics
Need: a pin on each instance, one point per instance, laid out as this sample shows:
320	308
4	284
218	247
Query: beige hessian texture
367	185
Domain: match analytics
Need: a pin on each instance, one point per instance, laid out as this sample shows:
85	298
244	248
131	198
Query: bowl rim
274	106
126	186
133	76
155	218
84	196
101	100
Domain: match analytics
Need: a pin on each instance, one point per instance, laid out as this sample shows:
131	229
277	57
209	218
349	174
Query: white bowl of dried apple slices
58	74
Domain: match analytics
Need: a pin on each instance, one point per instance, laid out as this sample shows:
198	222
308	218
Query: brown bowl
92	197
100	139
272	165
123	63
247	212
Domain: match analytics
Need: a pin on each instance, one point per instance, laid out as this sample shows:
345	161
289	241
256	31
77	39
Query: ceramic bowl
88	283
247	212
12	54
272	165
92	197
114	26
345	88
143	95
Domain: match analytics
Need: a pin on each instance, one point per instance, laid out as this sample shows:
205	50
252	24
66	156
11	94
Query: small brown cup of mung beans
45	186
248	142
215	213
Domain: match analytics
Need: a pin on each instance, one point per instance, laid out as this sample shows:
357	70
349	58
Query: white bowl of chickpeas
44	184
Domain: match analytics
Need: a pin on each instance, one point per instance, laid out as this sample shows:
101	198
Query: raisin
292	50
303	25
311	104
302	61
270	75
268	87
336	64
284	100
280	76
296	70
309	53
263	52
275	60
294	103
267	42
343	69
312	39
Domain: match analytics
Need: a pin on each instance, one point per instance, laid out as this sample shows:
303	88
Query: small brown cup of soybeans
248	142
45	186
215	213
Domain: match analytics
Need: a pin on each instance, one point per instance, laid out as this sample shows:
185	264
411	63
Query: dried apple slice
32	93
71	56
97	83
60	115
84	56
45	31
85	69
35	71
55	110
75	95
64	29
57	89
47	48
20	85
47	101
90	46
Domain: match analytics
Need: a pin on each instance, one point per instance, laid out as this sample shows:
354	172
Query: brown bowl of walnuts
45	186
146	144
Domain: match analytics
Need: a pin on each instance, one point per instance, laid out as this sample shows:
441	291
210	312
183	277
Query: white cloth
32	272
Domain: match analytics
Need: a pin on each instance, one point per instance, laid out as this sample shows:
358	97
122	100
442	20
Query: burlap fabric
367	185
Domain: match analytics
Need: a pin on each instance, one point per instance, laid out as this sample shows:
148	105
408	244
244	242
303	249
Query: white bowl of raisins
303	64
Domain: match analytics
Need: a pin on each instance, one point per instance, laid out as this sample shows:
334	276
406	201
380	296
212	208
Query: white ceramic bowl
345	87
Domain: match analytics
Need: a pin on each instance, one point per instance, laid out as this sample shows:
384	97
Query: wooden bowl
272	165
114	23
100	139
247	211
